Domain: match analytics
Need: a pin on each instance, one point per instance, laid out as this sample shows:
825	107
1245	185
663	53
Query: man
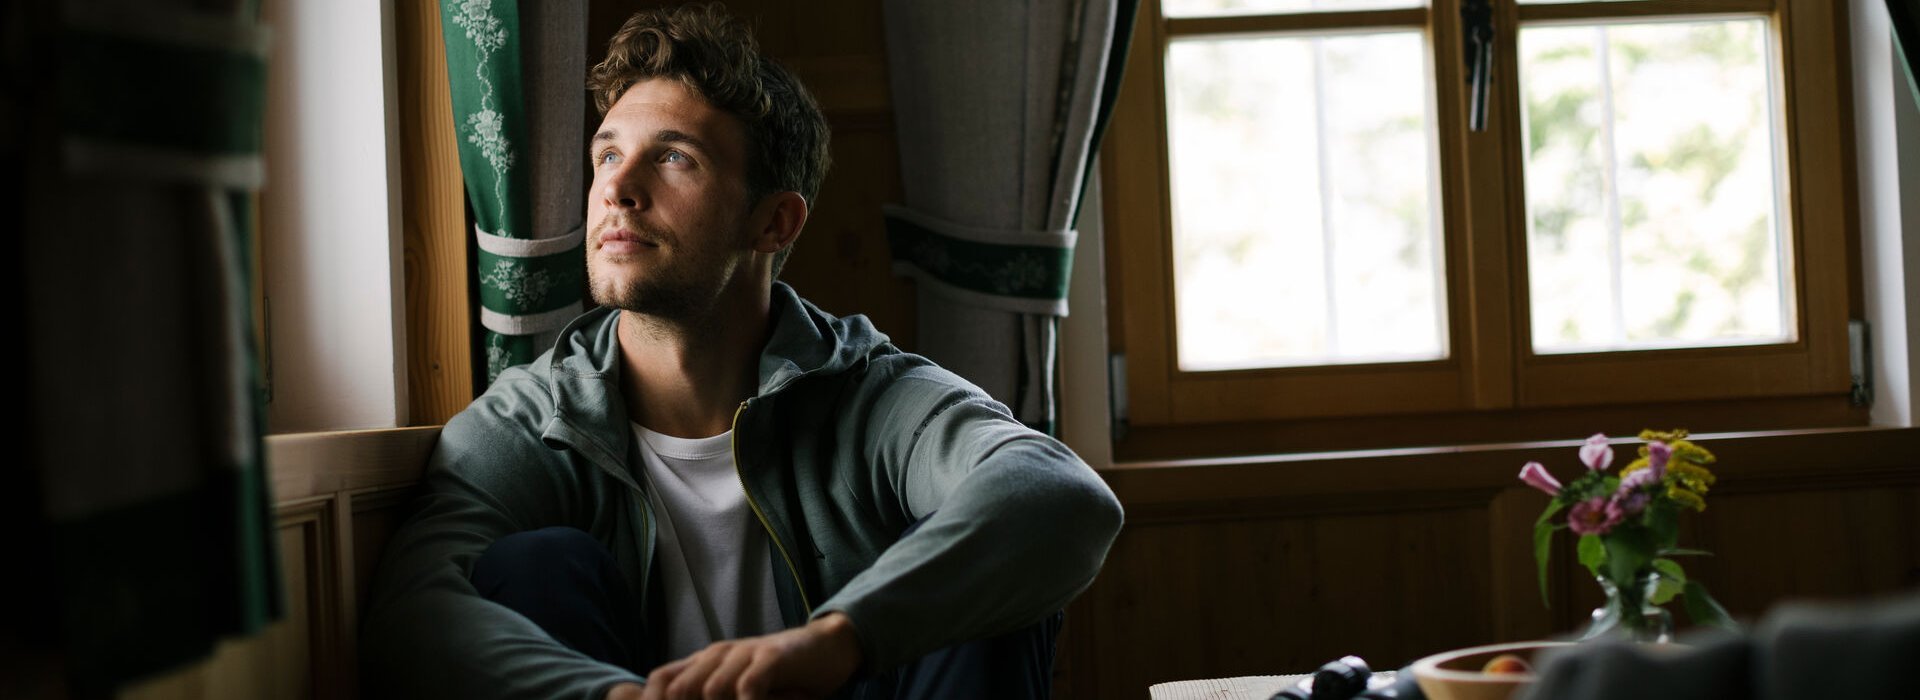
709	487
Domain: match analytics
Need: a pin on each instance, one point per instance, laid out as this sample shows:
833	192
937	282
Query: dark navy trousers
565	581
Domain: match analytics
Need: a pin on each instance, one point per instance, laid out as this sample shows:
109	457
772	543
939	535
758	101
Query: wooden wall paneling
434	223
1285	594
1516	611
313	464
1255	566
376	513
297	657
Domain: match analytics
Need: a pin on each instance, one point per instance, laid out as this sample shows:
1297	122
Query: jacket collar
590	415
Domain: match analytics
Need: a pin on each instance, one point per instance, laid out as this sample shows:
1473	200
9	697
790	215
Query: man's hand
811	661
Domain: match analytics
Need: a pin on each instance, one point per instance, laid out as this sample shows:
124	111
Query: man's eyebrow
663	136
674	136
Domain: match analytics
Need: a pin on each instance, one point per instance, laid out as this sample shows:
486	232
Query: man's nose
625	187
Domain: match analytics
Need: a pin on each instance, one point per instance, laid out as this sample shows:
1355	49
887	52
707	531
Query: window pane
1652	187
1304	230
1215	8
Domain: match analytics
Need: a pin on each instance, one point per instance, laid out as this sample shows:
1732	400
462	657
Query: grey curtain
518	78
145	403
997	106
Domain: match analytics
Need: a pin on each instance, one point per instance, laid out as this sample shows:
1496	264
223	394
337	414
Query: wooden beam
433	204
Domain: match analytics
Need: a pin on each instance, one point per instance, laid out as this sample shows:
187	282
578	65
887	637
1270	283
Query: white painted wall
1887	126
331	219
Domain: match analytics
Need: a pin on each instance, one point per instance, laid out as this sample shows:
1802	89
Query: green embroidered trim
520	286
211	101
1023	271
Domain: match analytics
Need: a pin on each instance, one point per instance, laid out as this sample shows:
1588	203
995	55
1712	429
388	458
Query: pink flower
1657	455
1596	454
1593	517
1537	477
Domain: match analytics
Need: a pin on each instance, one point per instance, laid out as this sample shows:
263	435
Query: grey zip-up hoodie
848	441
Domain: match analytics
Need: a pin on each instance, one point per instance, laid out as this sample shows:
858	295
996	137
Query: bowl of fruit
1492	672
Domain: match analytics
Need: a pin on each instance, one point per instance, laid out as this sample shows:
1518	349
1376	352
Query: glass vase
1627	613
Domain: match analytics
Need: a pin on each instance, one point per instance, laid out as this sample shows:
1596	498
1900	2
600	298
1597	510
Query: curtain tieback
1012	270
530	285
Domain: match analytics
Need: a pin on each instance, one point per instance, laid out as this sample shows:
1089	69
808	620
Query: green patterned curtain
514	137
146	397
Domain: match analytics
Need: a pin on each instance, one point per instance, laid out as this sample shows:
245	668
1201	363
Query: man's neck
686	379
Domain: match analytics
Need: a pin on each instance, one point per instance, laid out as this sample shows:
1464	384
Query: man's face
667	214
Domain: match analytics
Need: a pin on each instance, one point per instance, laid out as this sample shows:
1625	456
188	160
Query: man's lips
624	241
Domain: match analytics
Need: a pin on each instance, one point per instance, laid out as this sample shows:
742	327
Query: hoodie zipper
738	470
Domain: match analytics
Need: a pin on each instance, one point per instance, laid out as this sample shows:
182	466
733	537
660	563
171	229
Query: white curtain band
529	247
528	324
141	20
117	160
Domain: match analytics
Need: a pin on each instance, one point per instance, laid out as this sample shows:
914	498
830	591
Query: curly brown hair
716	55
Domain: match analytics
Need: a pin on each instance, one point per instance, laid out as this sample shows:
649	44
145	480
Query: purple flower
1657	455
1626	503
1639	479
1537	477
1593	517
1596	454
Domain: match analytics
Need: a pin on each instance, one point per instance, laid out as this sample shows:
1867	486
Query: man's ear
781	216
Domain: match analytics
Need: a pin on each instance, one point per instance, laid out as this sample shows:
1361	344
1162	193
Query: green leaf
1669	568
1628	550
1669	579
1702	609
1684	552
1543	545
1664	523
1593	553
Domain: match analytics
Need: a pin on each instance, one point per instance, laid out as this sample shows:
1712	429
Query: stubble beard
672	291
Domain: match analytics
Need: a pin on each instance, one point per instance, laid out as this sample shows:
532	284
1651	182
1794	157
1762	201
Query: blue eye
674	157
605	158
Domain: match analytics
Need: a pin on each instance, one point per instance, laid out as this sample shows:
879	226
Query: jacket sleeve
427	632
1015	525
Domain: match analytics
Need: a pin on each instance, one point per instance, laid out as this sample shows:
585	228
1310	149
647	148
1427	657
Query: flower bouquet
1629	528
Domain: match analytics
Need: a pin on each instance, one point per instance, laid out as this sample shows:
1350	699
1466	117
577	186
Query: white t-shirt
711	549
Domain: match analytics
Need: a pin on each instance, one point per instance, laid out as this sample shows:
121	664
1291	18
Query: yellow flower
1668	436
1691	477
1686	451
1686	498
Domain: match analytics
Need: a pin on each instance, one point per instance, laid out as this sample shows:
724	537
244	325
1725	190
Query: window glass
1304	207
1653	187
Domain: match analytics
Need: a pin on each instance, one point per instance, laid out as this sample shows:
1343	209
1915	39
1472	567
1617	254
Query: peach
1507	664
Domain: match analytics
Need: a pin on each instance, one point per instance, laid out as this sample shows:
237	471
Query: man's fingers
757	678
692	680
656	686
721	683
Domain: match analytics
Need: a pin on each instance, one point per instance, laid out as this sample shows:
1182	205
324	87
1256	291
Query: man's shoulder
516	405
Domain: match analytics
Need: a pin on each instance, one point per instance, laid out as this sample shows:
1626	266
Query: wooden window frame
1491	386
